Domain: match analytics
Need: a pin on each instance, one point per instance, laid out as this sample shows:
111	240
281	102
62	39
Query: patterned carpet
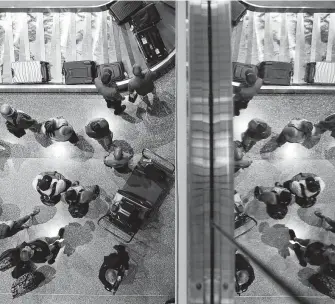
58	37
297	38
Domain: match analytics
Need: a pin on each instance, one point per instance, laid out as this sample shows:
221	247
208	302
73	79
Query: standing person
110	92
17	121
50	185
114	267
59	129
257	130
306	187
239	153
246	92
98	129
142	84
10	228
118	159
79	197
244	273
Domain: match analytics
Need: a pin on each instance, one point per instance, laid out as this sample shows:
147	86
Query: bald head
118	153
26	254
6	110
111	276
137	70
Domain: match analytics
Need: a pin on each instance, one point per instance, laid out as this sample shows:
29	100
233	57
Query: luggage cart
140	197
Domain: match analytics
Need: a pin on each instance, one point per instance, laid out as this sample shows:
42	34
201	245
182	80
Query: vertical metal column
211	263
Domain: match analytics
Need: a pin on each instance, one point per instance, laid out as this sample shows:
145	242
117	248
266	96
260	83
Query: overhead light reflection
59	150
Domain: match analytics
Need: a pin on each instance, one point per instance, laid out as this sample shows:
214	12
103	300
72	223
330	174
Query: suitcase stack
30	72
147	34
123	10
79	72
116	70
320	73
275	72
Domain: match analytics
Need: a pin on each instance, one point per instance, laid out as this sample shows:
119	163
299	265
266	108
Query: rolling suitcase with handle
79	72
320	72
151	45
30	72
116	69
146	17
239	71
123	10
275	72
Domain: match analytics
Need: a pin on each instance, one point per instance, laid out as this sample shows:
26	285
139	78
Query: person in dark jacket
98	129
244	273
110	92
246	92
142	84
114	267
10	228
257	130
17	121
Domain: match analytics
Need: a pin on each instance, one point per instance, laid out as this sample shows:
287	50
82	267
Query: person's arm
60	187
295	188
322	183
131	90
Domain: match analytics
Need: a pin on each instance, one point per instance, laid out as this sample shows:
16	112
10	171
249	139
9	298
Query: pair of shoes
120	111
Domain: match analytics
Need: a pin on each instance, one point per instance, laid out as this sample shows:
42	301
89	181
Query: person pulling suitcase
142	84
110	92
58	129
98	129
17	121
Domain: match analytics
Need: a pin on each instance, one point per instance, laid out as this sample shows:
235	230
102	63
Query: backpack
78	210
49	200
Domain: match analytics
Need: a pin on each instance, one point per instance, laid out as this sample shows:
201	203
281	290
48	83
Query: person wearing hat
118	159
59	129
257	130
17	121
110	92
10	228
246	92
98	129
42	250
50	185
114	267
142	84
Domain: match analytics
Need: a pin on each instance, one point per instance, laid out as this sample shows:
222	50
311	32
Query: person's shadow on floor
84	145
276	236
43	140
77	235
125	116
159	109
126	147
270	145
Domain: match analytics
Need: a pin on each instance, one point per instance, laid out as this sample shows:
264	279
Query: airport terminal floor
269	241
74	276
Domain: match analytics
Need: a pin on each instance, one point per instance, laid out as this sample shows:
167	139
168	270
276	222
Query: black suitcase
239	70
123	10
275	72
146	17
79	72
116	69
151	45
238	10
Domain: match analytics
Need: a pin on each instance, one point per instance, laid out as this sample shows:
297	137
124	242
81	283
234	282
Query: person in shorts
10	228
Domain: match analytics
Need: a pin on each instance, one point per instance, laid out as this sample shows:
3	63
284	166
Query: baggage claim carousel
57	35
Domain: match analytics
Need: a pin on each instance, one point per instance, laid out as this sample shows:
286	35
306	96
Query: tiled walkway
74	276
58	37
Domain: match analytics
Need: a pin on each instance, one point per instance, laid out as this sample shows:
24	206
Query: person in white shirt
50	185
59	129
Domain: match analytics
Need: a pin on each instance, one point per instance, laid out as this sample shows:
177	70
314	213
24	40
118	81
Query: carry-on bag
123	10
151	45
320	72
79	72
239	71
116	70
30	72
275	72
238	10
145	17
